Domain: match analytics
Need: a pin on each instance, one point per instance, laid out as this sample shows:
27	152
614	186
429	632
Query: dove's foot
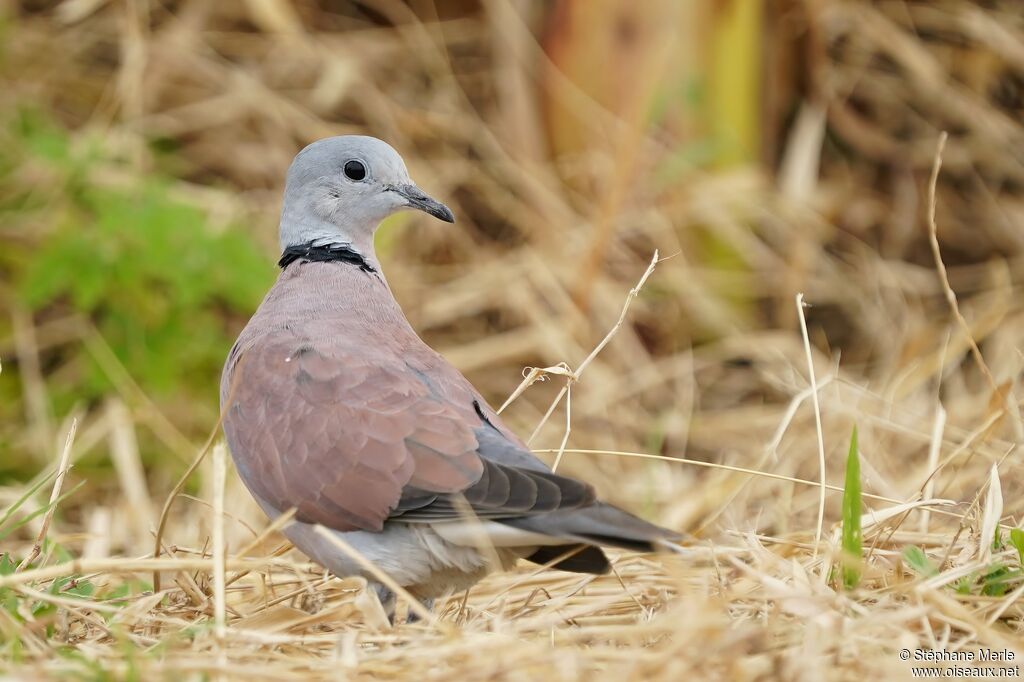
413	616
389	602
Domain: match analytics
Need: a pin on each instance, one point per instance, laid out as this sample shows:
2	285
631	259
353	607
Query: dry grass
699	413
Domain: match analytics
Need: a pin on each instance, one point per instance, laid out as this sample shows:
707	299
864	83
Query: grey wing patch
514	483
494	446
502	492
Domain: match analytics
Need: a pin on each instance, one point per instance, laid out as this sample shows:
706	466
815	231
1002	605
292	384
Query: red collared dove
335	407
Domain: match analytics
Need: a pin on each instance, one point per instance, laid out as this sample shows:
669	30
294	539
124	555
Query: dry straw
713	407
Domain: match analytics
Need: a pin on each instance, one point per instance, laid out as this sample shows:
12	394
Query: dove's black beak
418	199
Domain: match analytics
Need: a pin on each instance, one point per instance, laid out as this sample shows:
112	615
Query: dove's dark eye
355	170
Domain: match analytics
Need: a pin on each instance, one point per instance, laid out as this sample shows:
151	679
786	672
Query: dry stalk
817	420
928	489
761	474
710	374
379	575
219	549
571	376
63	466
180	485
1006	396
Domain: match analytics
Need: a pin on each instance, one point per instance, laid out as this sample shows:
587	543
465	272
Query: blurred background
769	148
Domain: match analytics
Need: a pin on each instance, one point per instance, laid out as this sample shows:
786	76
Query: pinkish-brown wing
340	432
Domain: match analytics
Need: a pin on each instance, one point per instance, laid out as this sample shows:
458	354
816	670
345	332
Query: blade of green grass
999	580
919	561
852	539
4	532
10	511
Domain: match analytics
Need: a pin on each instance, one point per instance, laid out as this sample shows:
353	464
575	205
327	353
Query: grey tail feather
599	524
673	547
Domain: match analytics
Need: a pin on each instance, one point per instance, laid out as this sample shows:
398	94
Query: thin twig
751	472
633	293
1006	396
62	469
568	426
933	462
817	420
377	573
121	565
180	485
219	552
570	375
278	523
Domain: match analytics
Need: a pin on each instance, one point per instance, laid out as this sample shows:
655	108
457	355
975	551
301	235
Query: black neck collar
311	253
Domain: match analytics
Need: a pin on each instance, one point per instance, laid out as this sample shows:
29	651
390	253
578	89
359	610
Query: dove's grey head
340	188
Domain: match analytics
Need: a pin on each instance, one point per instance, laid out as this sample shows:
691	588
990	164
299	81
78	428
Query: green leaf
58	584
1017	540
15	650
43	609
82	588
43	137
919	561
60	554
1000	580
9	602
122	591
852	539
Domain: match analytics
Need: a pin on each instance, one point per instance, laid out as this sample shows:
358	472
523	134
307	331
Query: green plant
852	539
163	287
919	561
1017	540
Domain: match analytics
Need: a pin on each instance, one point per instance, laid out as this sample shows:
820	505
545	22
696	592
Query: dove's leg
414	617
387	600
